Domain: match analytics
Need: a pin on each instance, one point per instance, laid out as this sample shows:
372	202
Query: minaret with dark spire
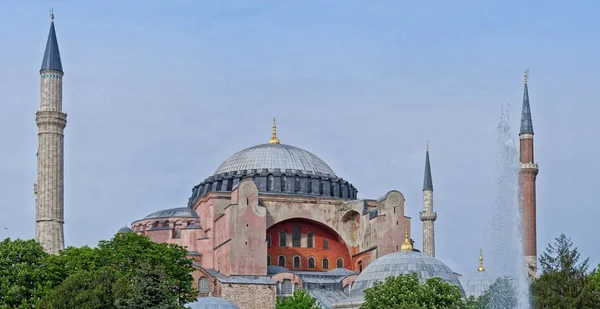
428	216
528	174
51	121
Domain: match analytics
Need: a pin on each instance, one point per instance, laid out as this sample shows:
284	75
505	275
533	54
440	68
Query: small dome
477	284
403	262
275	156
181	212
211	302
124	229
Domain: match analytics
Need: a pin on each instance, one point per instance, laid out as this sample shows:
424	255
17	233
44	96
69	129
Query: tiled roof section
427	182
326	298
211	302
181	212
526	123
273	270
476	284
241	279
403	262
275	157
51	59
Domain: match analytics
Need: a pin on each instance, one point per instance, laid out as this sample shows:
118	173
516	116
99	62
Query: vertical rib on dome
51	59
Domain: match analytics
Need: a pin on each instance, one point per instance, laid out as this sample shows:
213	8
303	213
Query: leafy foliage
128	271
22	280
500	295
300	300
407	292
564	282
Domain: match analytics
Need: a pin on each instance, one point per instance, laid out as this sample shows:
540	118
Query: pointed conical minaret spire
51	122
526	123
480	261
428	216
51	61
528	175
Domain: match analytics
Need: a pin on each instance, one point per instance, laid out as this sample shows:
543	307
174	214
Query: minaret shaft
428	216
527	184
51	121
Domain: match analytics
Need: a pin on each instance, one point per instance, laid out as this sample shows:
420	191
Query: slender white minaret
428	216
51	121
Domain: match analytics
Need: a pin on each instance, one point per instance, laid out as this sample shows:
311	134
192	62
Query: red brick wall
337	248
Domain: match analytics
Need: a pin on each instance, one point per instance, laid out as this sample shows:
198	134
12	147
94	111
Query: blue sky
158	95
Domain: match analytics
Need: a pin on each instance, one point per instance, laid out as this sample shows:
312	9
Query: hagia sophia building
274	218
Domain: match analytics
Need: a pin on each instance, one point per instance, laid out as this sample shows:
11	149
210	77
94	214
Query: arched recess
321	233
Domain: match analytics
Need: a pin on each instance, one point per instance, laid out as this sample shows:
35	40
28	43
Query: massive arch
326	244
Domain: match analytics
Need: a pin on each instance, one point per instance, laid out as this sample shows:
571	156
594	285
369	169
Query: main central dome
274	157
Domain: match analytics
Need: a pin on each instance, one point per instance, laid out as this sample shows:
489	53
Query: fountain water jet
507	245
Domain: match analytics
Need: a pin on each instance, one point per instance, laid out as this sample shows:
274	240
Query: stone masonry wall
249	296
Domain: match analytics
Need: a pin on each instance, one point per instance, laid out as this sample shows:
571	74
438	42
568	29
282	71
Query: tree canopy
299	300
128	271
564	282
407	292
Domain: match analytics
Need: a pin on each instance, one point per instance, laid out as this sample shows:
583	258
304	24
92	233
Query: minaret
51	121
428	216
529	171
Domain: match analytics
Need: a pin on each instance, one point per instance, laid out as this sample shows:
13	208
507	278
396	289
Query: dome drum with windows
277	168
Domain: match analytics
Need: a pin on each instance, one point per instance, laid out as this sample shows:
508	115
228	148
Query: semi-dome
124	229
274	157
181	212
403	262
211	302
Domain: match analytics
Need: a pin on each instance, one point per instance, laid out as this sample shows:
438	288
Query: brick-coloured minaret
51	121
428	216
529	171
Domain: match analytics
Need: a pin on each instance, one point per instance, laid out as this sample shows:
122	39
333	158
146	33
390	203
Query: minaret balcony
530	165
428	216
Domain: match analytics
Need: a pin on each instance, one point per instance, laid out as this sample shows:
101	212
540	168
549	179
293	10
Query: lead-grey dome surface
275	156
476	284
211	302
181	212
403	262
124	229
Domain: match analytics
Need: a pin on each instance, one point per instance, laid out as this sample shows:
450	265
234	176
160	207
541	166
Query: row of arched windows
281	261
296	239
51	76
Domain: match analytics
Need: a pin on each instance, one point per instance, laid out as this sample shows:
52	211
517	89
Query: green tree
500	295
300	300
407	292
564	282
148	287
22	282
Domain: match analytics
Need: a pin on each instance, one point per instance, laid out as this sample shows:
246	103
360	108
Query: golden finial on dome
406	246
274	139
525	76
480	261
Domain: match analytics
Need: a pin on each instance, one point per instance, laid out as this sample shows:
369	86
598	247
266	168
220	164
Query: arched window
308	185
309	240
286	287
281	261
282	238
167	224
296	236
297	184
203	285
283	183
268	241
268	260
296	262
311	262
325	244
359	266
270	183
340	262
296	286
325	263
